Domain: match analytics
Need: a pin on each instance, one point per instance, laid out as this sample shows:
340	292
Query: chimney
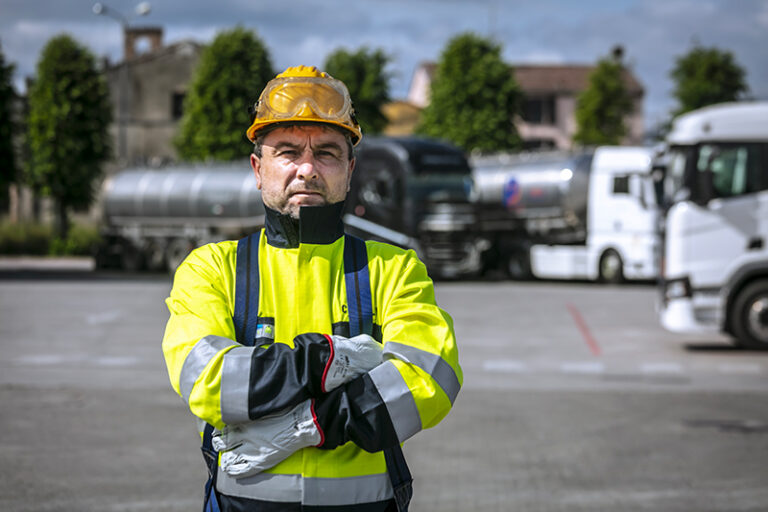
618	53
135	34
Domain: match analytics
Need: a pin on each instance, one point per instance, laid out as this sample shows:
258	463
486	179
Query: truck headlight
677	288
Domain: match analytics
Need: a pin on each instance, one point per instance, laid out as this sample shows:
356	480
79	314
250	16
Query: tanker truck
589	215
411	192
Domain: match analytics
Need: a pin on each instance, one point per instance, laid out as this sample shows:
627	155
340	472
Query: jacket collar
316	225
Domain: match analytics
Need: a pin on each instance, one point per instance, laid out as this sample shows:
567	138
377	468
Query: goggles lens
290	96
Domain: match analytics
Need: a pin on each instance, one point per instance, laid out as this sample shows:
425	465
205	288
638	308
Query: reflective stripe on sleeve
398	399
200	425
235	383
197	359
433	364
308	491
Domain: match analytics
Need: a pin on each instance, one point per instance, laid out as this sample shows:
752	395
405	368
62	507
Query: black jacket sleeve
355	412
282	377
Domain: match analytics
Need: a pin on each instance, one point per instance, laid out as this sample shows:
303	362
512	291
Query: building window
177	105
539	110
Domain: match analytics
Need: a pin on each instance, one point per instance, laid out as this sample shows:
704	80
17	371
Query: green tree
232	72
604	105
8	170
363	73
67	127
474	97
705	76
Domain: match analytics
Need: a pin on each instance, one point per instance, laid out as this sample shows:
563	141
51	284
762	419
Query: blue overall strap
247	289
246	314
360	307
358	285
211	457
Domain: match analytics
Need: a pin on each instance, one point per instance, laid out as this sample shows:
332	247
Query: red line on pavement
585	332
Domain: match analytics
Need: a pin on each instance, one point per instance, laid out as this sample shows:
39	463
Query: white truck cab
622	217
715	265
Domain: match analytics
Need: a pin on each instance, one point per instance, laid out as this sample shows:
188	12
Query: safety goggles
289	97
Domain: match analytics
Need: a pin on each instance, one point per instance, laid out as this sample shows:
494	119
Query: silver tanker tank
224	192
544	193
154	217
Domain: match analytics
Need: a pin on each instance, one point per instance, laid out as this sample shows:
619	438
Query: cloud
653	34
24	40
543	57
762	16
411	31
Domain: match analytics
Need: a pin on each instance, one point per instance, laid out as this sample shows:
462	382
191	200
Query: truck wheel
749	316
177	250
155	257
131	258
104	258
519	266
611	268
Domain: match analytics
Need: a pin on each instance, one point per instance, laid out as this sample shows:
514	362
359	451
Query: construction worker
308	356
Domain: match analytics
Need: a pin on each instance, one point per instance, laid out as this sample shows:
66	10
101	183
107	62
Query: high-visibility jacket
303	292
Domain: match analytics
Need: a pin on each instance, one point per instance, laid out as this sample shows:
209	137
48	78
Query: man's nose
306	166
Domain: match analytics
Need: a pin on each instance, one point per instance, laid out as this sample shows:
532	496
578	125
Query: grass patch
39	240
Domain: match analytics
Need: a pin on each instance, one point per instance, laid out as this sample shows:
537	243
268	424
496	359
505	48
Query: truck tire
519	266
131	258
749	316
611	269
154	256
176	251
104	257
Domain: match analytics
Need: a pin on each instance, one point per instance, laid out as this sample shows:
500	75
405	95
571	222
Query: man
303	401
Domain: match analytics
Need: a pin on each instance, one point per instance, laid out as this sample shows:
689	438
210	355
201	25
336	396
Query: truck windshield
441	163
735	168
712	170
429	157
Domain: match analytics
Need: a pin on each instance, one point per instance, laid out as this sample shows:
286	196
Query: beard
292	209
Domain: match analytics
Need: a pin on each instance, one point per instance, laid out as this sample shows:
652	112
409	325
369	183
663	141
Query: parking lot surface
574	400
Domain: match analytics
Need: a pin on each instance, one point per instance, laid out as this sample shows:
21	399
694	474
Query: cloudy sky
653	32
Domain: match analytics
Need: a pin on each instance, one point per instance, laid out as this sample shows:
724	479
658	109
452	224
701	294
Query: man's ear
351	170
256	166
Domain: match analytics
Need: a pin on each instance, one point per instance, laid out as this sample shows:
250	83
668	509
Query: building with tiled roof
549	106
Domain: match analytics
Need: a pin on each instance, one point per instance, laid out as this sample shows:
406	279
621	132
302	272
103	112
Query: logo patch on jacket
265	331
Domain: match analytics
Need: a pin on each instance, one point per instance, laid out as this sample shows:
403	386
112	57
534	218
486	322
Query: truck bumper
641	269
687	311
452	260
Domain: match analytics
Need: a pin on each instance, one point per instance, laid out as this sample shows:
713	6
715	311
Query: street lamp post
124	99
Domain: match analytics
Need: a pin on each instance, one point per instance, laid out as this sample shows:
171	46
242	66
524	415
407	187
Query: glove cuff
316	422
327	368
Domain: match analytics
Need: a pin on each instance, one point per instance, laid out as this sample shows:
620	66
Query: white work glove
250	448
351	357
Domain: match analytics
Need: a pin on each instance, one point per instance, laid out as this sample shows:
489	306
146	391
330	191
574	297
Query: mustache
306	186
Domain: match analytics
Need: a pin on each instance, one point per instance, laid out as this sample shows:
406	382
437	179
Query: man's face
302	166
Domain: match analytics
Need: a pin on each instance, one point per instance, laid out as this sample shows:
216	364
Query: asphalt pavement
574	400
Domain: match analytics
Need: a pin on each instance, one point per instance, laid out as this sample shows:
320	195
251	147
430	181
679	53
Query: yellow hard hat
304	93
